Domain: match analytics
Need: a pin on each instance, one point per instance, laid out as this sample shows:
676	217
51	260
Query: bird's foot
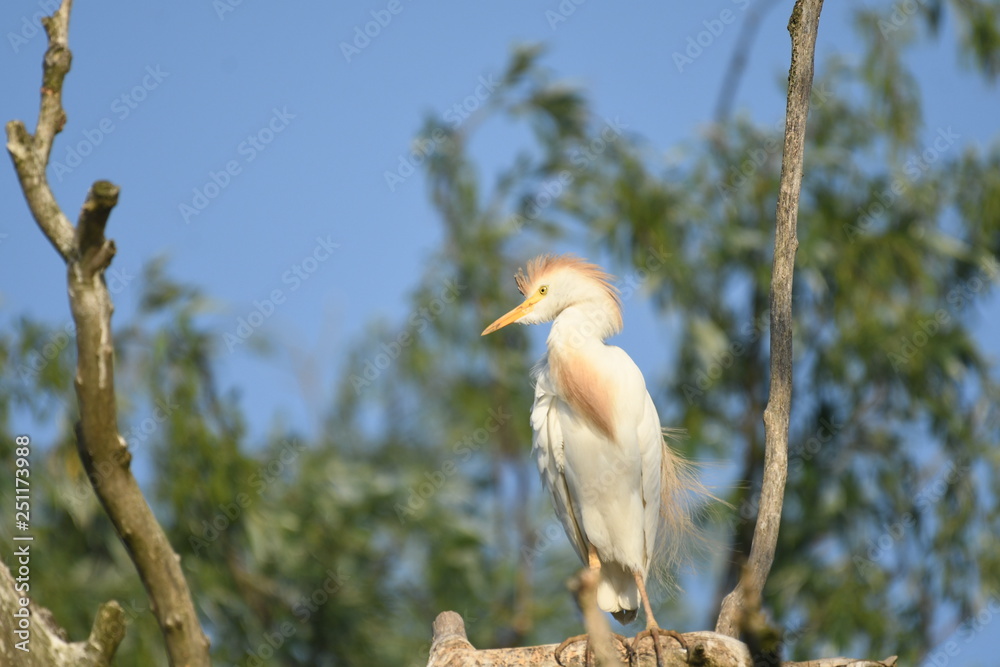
588	656
655	633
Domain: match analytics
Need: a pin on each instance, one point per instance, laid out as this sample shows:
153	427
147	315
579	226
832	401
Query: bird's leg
592	560
653	631
594	563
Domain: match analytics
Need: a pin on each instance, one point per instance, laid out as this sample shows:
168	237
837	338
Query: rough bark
803	27
103	451
451	648
48	645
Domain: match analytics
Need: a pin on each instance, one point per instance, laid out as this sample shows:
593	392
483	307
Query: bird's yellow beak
526	307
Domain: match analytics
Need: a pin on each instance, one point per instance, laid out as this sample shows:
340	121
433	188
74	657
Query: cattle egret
598	441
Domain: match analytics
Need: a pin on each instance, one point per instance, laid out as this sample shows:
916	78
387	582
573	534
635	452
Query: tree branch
102	449
584	588
47	645
803	27
31	153
451	648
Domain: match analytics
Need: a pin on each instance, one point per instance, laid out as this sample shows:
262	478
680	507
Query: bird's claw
557	654
589	652
655	633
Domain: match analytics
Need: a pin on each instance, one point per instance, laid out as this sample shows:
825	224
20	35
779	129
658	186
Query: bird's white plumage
606	492
597	437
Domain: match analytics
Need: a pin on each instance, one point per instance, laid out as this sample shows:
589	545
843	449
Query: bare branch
451	647
845	662
803	27
30	167
31	153
47	645
103	197
584	586
102	449
51	115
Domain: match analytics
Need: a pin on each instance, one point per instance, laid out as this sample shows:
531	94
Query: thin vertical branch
803	27
102	449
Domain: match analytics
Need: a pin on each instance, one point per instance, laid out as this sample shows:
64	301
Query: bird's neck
579	326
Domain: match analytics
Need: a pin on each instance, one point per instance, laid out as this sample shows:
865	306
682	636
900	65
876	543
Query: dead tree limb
102	449
451	648
803	27
47	645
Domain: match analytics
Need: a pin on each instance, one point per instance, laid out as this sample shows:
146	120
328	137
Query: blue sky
251	149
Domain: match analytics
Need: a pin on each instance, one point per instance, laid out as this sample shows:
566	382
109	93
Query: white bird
598	441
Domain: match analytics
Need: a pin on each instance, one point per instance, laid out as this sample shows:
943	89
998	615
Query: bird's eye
543	290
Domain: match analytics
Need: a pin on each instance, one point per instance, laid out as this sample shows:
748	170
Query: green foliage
421	496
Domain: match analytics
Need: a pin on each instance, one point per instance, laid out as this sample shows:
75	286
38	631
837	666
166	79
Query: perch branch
803	27
451	648
102	449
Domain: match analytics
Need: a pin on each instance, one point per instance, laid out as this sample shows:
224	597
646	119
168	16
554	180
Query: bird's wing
547	446
650	436
639	433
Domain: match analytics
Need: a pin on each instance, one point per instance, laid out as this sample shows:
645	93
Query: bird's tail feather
617	592
683	495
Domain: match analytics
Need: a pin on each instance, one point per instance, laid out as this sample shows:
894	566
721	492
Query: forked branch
102	449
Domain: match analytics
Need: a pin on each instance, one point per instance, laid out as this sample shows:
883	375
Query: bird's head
553	283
